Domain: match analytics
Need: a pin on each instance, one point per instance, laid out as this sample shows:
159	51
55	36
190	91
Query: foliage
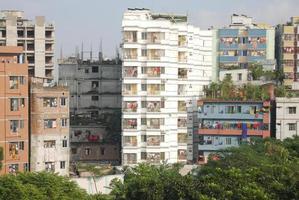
226	90
39	186
261	169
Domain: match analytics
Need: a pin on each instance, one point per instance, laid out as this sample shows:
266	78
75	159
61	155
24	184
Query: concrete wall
100	185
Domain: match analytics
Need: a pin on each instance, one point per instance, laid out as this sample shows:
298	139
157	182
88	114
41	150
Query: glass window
50	123
62	164
50	102
87	151
95	69
292	127
14	104
228	141
292	110
49	143
63	101
95	98
64	122
64	143
144	35
13	82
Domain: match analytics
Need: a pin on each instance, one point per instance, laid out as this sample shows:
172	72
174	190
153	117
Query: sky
90	21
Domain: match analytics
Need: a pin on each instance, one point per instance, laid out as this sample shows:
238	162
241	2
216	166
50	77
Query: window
13	168
144	35
182	106
87	151
50	123
95	69
239	77
94	98
228	141
292	110
15	125
182	73
143	87
26	167
62	164
182	137
64	143
63	101
13	82
102	150
74	150
94	84
239	109
228	76
292	127
50	166
86	71
143	52
49	143
64	122
22	80
14	103
50	102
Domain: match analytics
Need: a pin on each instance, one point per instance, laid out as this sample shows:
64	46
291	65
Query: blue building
242	44
225	124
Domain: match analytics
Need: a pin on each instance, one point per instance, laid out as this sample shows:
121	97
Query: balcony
130	54
130	36
130	72
152	123
182	57
182	138
182	122
182	73
153	89
262	133
182	106
130	141
152	157
130	106
129	158
155	54
155	37
182	154
182	41
152	71
130	89
152	106
153	140
129	124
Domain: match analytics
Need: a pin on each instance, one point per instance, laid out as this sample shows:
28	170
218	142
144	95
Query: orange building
13	110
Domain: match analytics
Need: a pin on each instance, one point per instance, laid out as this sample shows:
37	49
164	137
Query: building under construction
95	108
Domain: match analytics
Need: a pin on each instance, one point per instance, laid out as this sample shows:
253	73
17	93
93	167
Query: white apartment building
166	64
287	117
36	37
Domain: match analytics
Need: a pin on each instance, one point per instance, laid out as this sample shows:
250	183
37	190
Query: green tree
39	186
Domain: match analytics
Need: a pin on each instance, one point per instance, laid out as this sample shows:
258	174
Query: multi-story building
13	110
166	64
37	39
287	117
95	105
225	124
49	127
287	50
242	45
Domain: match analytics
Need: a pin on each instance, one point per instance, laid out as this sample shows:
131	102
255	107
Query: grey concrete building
36	37
95	108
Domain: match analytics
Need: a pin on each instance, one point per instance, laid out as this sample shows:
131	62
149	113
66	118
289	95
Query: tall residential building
95	108
287	50
166	64
13	110
224	124
37	39
287	117
49	122
241	46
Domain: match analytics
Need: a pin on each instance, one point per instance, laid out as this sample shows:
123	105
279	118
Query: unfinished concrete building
49	127
37	39
95	103
13	110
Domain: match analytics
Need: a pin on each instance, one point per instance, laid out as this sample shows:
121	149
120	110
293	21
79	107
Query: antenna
82	51
101	51
61	52
91	52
